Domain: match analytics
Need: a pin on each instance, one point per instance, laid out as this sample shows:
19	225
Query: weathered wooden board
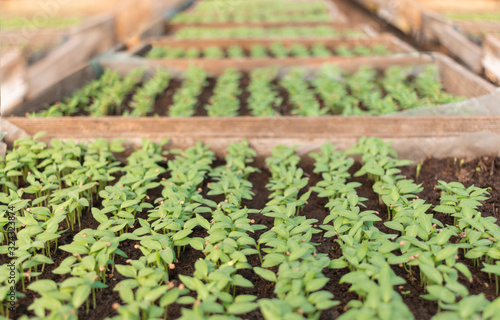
414	137
406	15
83	42
424	20
491	57
135	14
436	28
94	39
13	71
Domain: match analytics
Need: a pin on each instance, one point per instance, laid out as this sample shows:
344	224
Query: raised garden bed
326	247
406	86
459	26
260	11
65	49
463	39
173	49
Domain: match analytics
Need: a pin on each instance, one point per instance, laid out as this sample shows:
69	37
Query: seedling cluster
159	204
165	224
277	49
327	91
240	11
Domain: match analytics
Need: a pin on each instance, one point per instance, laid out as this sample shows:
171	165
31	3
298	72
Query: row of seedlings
52	188
299	279
327	92
370	276
424	240
216	278
276	49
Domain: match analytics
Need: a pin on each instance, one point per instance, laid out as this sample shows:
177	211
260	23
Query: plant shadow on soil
481	172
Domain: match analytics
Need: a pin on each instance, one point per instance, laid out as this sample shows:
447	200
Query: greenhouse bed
329	9
465	40
480	171
93	36
427	21
414	137
387	41
455	79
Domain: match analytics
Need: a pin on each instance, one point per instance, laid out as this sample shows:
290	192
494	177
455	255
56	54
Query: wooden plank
414	137
55	92
439	29
478	28
154	25
491	58
459	81
13	79
92	40
259	127
406	15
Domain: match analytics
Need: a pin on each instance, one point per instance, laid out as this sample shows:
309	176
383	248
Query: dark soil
432	170
163	103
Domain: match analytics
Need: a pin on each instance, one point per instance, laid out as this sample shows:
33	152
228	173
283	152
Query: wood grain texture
406	15
491	58
436	28
260	127
88	42
414	137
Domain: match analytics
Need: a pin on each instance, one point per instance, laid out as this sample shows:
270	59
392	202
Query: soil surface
481	172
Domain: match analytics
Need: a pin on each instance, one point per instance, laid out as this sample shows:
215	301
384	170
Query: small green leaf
272	259
265	274
156	293
445	253
241	307
126	271
80	295
432	273
316	284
